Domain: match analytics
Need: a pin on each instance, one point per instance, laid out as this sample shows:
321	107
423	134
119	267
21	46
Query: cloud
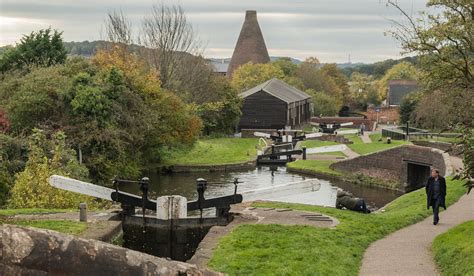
329	29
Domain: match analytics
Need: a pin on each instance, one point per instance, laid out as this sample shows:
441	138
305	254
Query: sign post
377	110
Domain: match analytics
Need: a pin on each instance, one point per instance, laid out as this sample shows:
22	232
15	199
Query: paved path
350	153
366	138
408	250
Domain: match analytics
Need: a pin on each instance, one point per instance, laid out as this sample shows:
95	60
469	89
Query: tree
36	99
250	75
407	107
313	77
173	50
323	104
43	48
400	71
336	74
287	66
222	116
4	122
171	37
444	42
363	90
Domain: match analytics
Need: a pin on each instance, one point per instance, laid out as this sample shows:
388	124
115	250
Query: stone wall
387	114
392	164
30	251
334	138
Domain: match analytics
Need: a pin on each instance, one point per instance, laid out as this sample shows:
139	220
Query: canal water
220	183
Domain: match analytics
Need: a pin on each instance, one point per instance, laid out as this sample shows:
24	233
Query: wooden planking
262	110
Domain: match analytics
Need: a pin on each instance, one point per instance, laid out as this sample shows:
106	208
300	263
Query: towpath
408	250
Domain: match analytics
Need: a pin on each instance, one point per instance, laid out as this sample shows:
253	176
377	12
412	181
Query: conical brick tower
250	46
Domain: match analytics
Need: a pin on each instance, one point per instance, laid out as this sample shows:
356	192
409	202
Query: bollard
304	153
83	212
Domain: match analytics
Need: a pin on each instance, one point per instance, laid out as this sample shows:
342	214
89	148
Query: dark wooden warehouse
274	105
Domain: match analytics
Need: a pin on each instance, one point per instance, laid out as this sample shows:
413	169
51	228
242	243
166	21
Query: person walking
436	194
362	128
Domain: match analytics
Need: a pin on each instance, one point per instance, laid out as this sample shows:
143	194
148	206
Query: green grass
454	250
306	250
29	211
317	143
452	140
313	166
362	148
63	226
213	151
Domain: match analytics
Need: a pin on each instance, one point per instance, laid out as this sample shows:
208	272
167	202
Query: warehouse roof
279	89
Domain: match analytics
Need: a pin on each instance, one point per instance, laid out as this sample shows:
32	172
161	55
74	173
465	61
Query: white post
171	207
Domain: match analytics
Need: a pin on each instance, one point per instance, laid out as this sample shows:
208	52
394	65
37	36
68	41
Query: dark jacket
430	191
345	199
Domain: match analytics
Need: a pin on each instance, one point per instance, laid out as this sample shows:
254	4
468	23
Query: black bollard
201	185
304	153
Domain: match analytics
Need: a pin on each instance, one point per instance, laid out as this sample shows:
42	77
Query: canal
220	183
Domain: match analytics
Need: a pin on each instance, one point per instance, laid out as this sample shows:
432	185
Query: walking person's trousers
435	205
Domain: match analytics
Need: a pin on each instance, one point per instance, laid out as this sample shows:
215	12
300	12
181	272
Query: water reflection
220	183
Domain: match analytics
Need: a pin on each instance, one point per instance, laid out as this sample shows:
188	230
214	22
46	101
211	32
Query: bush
31	188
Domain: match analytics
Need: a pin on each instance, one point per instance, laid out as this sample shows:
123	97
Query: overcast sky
328	29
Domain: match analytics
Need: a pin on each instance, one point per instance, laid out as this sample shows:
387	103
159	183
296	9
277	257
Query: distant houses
398	89
274	105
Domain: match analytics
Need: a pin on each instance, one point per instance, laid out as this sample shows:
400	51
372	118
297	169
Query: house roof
278	89
398	89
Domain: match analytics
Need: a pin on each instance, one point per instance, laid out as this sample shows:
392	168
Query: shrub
31	188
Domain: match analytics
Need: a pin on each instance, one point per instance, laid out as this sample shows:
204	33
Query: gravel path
408	250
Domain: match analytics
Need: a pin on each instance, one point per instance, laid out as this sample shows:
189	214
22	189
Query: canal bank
303	250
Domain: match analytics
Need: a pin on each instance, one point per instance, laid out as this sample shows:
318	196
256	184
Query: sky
331	30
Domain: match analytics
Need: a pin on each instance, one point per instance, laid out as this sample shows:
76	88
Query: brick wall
387	114
392	164
369	124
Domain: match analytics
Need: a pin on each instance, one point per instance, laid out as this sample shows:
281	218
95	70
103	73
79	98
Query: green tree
323	104
314	77
444	41
250	75
407	107
222	116
363	90
401	71
43	48
287	66
341	81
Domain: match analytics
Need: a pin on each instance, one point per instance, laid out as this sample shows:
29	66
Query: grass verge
213	151
30	211
63	226
362	148
313	166
306	250
454	250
